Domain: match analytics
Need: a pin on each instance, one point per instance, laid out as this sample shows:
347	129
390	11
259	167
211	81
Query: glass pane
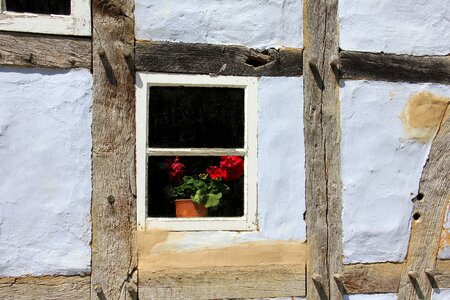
56	7
196	117
171	178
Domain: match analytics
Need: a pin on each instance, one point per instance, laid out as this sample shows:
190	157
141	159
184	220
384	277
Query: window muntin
147	155
71	17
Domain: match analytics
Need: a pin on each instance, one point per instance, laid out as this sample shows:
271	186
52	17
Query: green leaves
211	199
201	189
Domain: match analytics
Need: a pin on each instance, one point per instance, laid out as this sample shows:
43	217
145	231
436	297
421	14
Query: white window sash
249	221
77	23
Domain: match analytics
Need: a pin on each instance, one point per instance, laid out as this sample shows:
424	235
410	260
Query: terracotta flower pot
186	208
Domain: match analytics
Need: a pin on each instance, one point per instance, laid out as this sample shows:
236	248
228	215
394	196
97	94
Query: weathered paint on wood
166	57
429	214
114	258
46	287
46	51
224	282
394	67
323	183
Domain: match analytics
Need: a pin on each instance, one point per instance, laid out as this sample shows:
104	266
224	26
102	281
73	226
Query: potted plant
195	194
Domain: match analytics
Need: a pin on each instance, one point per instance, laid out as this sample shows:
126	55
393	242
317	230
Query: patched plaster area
441	294
257	24
371	297
281	176
382	162
418	27
45	159
444	244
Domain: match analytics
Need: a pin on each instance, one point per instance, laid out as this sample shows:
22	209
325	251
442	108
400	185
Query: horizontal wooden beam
385	277
224	282
46	51
372	278
168	57
442	274
45	287
394	67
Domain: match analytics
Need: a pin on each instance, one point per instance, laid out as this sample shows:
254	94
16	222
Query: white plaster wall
371	297
281	159
419	27
281	174
45	159
258	24
444	253
381	169
441	294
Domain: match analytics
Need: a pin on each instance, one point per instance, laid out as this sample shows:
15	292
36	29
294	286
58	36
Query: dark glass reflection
196	117
159	182
56	7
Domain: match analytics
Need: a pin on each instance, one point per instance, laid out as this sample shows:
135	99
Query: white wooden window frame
247	222
77	23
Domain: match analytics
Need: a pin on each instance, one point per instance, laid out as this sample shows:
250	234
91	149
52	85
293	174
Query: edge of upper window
78	23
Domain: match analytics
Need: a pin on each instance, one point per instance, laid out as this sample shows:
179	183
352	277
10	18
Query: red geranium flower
216	172
175	168
233	166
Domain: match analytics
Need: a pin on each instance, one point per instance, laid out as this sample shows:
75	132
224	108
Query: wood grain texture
385	277
46	287
114	258
442	274
46	51
224	282
321	118
425	232
190	58
394	67
372	278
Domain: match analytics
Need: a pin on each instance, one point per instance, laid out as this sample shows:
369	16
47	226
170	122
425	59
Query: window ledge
201	224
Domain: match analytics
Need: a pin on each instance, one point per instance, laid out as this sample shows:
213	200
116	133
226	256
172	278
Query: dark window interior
56	7
159	182
196	117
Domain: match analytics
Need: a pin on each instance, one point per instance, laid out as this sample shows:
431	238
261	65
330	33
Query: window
203	123
66	17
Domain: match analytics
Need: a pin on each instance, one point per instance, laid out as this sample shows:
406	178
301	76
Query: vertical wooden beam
322	135
114	262
429	214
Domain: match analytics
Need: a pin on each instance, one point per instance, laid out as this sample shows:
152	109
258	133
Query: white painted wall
258	24
419	27
441	294
381	169
45	159
281	174
371	297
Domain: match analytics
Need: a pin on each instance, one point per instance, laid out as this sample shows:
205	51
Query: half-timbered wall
353	135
